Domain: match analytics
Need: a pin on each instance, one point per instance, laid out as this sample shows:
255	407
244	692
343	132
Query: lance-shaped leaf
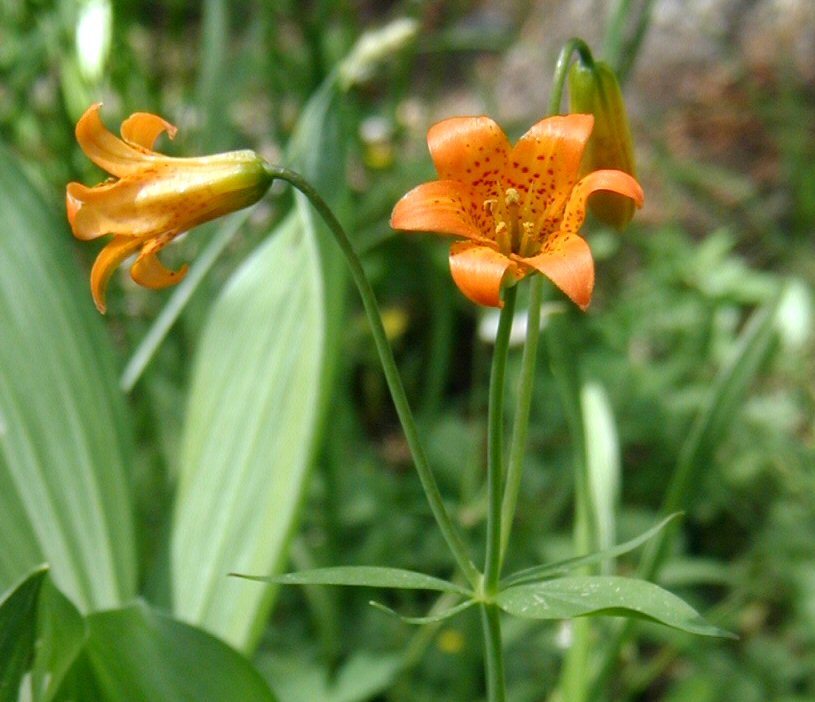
566	598
364	576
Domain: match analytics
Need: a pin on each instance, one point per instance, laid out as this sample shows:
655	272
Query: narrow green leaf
581	596
363	576
430	619
602	464
248	436
541	572
18	623
715	418
140	655
61	633
64	440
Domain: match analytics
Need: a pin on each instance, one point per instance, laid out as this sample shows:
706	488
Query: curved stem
448	528
491	625
562	67
526	383
495	444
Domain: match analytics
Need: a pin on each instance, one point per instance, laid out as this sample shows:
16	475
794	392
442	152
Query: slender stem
562	67
448	528
526	385
495	443
491	625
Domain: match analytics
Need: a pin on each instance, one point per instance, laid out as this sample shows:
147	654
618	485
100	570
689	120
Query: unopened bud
593	89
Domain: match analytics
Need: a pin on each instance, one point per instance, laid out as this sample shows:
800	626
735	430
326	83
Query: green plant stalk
392	377
491	625
495	444
526	383
562	70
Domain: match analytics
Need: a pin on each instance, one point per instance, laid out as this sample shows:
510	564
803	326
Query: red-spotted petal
608	180
143	128
568	263
105	149
442	207
152	273
544	165
480	272
473	151
108	260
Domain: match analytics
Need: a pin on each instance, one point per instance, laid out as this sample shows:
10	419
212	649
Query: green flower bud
594	90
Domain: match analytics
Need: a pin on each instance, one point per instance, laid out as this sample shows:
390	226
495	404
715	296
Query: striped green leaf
64	442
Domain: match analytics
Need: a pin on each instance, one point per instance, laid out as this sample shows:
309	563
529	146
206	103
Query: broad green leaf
64	441
530	575
61	633
581	596
140	655
18	624
364	576
429	619
249	434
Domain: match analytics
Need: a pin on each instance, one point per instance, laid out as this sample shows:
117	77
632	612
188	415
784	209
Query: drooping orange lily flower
518	208
152	198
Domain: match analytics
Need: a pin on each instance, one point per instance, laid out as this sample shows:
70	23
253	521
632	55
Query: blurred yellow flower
152	198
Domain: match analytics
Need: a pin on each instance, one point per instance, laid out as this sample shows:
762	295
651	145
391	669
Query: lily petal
105	149
152	273
108	260
441	206
545	163
608	180
480	272
568	263
143	128
473	151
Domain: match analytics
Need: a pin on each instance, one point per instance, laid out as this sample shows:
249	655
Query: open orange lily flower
518	208
152	198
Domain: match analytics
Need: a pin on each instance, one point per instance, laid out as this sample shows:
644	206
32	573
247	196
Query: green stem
562	68
493	652
526	386
495	443
448	528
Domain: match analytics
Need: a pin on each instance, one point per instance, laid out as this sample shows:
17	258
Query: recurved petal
112	208
152	273
143	128
108	260
608	180
545	163
105	149
480	272
442	207
568	263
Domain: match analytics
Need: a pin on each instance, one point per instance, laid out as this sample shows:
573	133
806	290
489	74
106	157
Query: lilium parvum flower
518	208
152	198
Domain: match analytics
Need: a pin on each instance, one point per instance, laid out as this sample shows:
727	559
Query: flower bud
594	90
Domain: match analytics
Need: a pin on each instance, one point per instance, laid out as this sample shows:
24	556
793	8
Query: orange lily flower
518	208
152	198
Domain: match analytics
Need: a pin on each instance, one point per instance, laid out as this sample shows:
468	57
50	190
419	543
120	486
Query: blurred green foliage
674	294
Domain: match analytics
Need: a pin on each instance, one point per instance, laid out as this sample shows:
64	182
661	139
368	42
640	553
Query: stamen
512	200
502	237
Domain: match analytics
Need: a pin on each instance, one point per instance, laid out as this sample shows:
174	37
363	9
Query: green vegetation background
729	221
